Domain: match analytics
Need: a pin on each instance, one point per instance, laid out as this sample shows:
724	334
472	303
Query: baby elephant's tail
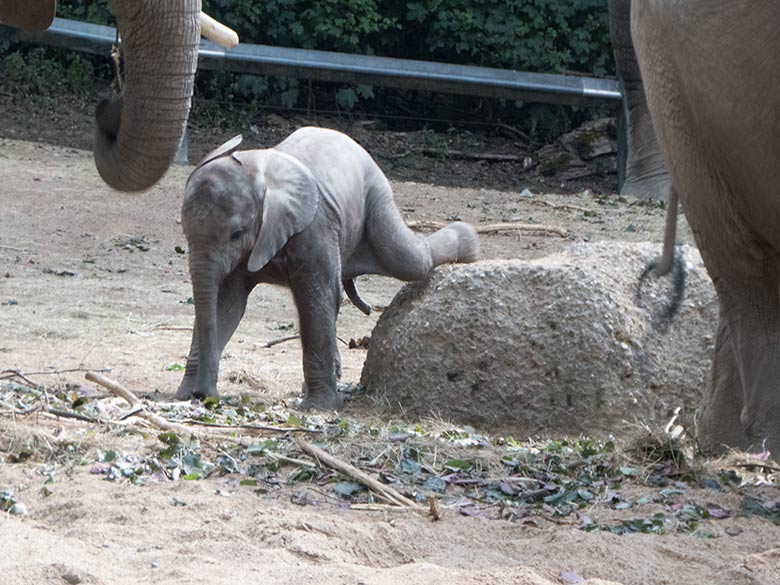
354	296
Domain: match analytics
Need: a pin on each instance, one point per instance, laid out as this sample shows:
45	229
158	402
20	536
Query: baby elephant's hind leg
395	250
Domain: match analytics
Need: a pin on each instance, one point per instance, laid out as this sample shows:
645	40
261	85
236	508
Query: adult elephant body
711	70
138	132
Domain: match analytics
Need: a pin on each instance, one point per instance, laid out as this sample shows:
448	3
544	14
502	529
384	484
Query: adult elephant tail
138	132
670	260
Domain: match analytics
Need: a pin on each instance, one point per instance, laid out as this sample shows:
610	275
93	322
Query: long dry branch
281	340
136	404
491	228
383	491
139	409
481	156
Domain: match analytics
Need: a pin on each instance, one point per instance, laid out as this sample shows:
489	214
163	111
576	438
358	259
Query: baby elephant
311	213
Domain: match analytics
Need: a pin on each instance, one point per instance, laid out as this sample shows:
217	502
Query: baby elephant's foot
328	400
185	388
468	242
189	389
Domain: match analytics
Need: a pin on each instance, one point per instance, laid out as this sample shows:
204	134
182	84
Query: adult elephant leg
392	249
646	176
231	304
718	420
751	311
139	132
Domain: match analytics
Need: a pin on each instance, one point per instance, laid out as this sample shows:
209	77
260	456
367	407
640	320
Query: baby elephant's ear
289	206
219	151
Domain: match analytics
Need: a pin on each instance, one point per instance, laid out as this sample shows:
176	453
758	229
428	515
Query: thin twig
281	340
434	509
517	133
50	372
135	402
13	412
71	414
562	206
11	374
771	468
381	490
379	508
249	426
459	154
512	480
293	460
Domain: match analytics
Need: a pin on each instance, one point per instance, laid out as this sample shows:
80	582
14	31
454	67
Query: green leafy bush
93	11
550	36
43	70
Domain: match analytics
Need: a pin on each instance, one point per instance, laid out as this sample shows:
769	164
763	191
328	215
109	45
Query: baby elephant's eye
236	235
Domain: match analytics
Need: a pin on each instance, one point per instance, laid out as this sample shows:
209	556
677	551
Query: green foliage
531	35
345	25
43	70
351	26
86	10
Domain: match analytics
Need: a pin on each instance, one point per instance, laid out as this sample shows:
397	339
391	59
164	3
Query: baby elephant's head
221	216
243	207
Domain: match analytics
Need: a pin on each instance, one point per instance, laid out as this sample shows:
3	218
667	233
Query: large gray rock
557	345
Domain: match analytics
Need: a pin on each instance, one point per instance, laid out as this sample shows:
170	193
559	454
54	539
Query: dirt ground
91	279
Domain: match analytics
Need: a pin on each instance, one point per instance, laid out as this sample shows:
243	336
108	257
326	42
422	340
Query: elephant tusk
217	32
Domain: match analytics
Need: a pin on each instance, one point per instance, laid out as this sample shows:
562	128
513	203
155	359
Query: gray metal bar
342	67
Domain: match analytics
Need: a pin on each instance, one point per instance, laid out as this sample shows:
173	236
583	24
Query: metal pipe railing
343	67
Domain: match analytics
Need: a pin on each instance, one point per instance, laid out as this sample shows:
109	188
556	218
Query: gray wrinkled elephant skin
711	72
311	213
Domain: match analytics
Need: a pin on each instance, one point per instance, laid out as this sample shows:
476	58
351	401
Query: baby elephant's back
338	163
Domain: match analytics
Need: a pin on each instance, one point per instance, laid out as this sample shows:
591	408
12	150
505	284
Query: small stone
72	577
155	565
18	509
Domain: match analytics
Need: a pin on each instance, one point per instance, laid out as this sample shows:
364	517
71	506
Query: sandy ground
78	292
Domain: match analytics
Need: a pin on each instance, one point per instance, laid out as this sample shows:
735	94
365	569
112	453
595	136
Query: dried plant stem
247	426
135	402
292	460
281	340
379	508
491	228
381	490
138	408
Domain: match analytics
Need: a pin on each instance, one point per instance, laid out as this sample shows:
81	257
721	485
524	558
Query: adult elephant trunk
646	176
33	15
139	132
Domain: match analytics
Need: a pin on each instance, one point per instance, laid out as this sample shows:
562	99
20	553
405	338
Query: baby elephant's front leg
318	299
